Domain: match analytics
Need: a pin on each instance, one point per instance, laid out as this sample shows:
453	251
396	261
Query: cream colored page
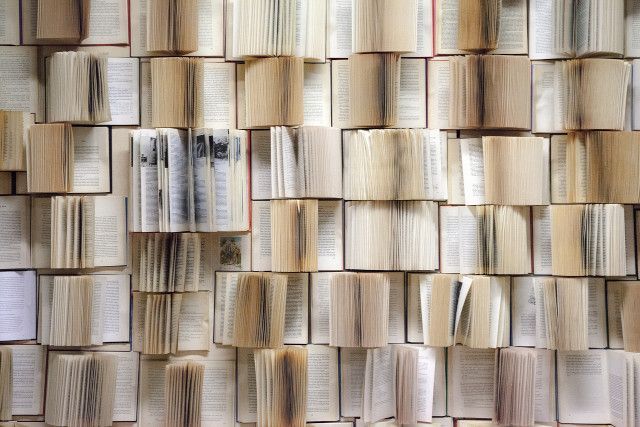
629	239
559	169
339	29
28	379
41	232
260	165
91	170
19	80
124	91
438	94
544	98
218	393
18	314
151	403
425	30
330	235
109	22
352	370
471	155
110	244
261	236
45	300
145	94
317	94
396	307
320	307
412	99
10	22
635	90
450	239
542	29
138	309
545	390
615	291
512	37
523	312
296	318
471	382
414	310
632	29
219	92
15	238
247	404
322	383
194	324
210	28
115	306
542	240
340	103
125	403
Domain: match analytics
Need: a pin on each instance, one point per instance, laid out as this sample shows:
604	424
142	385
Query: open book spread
319	213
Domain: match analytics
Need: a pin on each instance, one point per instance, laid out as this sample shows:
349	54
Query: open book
489	91
388	164
384	26
176	92
14	137
359	310
399	382
86	231
104	317
172	26
281	28
500	169
558	313
305	162
374	86
485	239
323	255
18	295
296	310
194	180
183	383
217	388
76	381
588	240
474	311
515	387
28	376
597	387
77	88
63	20
478	25
451	15
273	92
171	323
62	159
565	28
171	262
394	235
581	169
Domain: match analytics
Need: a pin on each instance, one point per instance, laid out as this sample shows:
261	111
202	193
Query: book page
219	94
124	91
19	80
471	382
382	387
545	387
450	238
218	393
339	29
438	94
230	253
597	327
260	165
151	401
247	401
322	383
110	244
615	292
559	169
440	384
45	302
28	373
261	236
125	404
543	94
91	172
425	30
296	317
414	310
412	96
109	23
340	102
471	155
629	239
18	311
635	90
15	238
523	312
10	22
426	371
632	29
145	94
583	387
618	388
41	232
330	238
317	94
194	325
115	306
320	307
396	307
352	367
512	37
542	240
210	29
542	29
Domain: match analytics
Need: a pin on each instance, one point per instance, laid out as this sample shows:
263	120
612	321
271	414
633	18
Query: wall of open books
324	212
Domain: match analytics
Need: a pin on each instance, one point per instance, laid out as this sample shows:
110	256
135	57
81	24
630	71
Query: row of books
323	29
398	382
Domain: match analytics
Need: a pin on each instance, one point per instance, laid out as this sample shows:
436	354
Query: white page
438	93
218	393
219	94
450	239
396	307
425	380
330	238
151	400
124	91
19	80
10	22
617	378
261	236
18	308
322	383
125	403
194	324
115	306
339	29
414	310
542	29
28	373
260	165
296	318
470	382
15	223
110	245
352	368
91	171
632	29
542	240
523	312
597	327
544	116
424	31
320	307
583	387
471	154
545	386
317	94
247	401
340	102
635	90
412	95
440	383
383	376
